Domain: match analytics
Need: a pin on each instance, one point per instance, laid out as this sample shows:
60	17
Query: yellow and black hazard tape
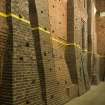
48	32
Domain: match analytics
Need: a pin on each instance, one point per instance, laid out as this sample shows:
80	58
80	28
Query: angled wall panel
21	83
58	21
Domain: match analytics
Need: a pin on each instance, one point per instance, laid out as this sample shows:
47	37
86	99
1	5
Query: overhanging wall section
46	51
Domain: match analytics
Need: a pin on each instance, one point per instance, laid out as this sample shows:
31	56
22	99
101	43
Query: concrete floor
96	96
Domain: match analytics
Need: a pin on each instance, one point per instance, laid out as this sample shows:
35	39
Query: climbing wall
21	83
58	22
47	72
80	39
94	57
39	67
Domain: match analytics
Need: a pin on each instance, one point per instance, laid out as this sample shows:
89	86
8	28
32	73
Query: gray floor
96	96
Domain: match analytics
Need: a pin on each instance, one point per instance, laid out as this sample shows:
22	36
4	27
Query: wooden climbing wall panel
58	22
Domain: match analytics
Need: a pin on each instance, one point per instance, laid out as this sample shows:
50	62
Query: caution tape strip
42	29
14	16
